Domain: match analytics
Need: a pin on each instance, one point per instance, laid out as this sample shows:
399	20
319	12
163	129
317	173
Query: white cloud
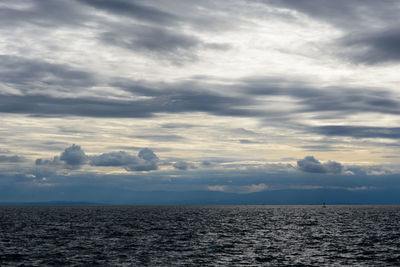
239	189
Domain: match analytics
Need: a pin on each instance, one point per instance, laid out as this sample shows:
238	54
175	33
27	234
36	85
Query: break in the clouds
217	97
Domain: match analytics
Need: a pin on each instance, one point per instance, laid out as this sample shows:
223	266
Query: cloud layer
223	97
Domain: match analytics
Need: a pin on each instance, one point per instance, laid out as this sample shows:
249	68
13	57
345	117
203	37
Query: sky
200	102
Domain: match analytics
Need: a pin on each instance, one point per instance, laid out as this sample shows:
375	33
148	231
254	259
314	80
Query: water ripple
200	236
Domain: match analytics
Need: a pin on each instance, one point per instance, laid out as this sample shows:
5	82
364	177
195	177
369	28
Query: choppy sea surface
200	236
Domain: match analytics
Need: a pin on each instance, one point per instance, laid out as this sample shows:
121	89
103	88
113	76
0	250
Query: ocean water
200	236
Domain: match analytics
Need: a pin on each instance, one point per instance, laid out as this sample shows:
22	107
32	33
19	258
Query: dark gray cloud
44	105
247	141
183	165
48	162
160	101
146	160
324	103
204	15
154	32
339	100
343	13
74	156
161	138
143	166
147	154
162	43
49	167
318	148
359	131
371	27
327	102
33	74
192	96
120	158
372	47
206	163
45	13
133	9
11	159
178	125
312	165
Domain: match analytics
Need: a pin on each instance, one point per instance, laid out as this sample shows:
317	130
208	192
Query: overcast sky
100	99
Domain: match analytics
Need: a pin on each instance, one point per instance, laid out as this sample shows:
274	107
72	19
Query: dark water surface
200	236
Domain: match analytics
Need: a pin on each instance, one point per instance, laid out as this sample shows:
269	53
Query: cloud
244	189
43	13
370	28
372	47
163	43
206	163
154	33
183	165
345	14
335	99
146	160
160	43
175	98
133	10
247	141
359	131
161	137
74	156
48	162
37	75
147	154
11	159
312	165
120	158
323	147
143	165
178	125
159	101
51	167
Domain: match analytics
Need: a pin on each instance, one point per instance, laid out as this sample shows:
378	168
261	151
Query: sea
200	235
